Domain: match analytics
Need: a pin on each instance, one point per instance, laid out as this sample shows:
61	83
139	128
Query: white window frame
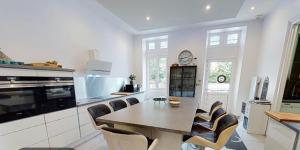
232	32
211	35
156	53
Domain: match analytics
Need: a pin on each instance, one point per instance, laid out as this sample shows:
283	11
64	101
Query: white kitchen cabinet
17	72
279	136
23	138
290	107
44	143
255	119
13	126
87	129
60	114
47	73
65	138
60	126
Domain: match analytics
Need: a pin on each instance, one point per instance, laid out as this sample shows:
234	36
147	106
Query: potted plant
132	77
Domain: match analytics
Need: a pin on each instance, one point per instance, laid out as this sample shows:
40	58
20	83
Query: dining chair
98	111
132	100
213	139
117	104
118	139
202	114
213	122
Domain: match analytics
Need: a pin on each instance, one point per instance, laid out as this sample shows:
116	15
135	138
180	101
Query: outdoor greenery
219	68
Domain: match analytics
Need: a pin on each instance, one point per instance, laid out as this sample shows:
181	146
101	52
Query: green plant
132	77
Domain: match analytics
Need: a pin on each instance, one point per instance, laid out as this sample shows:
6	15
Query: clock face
185	57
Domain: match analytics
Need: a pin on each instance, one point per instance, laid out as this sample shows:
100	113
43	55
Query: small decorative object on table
174	101
132	77
160	99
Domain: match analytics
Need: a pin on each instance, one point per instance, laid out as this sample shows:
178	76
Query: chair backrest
218	113
118	139
98	111
214	106
118	104
225	129
132	100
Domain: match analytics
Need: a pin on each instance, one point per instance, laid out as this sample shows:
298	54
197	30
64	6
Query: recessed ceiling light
252	7
207	7
147	18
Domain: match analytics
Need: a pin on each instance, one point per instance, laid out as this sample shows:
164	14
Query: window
214	40
156	62
219	75
164	44
151	45
232	38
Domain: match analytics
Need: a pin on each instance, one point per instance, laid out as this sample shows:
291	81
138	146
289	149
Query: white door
218	83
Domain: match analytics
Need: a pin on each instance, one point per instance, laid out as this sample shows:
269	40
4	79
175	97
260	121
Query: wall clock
185	57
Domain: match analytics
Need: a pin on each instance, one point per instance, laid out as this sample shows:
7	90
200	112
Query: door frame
232	83
286	60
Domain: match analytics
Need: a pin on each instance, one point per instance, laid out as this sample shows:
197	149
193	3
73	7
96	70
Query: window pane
214	40
153	70
215	70
151	46
162	73
164	44
232	38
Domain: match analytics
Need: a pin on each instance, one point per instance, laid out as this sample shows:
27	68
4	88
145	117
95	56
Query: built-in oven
59	94
22	97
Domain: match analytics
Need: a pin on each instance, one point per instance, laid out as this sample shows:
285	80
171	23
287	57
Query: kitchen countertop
87	101
290	120
35	68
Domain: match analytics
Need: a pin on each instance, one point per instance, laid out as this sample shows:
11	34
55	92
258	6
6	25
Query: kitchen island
283	131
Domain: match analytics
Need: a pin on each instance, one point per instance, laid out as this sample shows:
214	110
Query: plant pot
131	82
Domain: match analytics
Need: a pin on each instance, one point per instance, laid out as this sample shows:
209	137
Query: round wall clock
185	57
221	78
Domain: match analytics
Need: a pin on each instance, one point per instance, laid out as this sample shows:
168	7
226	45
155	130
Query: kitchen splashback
103	86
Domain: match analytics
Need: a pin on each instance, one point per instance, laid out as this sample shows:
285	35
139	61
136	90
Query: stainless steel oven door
19	101
59	96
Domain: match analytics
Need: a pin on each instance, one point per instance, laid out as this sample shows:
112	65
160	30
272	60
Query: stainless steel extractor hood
97	67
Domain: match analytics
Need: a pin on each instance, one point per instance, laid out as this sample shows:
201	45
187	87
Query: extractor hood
97	67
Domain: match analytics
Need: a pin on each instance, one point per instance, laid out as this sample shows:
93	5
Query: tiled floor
97	142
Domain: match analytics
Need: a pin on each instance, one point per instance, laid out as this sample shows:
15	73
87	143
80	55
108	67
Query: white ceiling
179	13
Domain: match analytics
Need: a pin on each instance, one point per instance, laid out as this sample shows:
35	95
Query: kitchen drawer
21	124
43	143
46	73
60	114
63	125
84	118
24	138
17	72
65	139
87	129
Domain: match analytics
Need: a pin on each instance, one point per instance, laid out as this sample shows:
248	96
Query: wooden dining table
156	120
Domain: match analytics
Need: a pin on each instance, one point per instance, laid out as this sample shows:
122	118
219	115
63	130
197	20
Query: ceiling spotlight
252	8
147	18
207	7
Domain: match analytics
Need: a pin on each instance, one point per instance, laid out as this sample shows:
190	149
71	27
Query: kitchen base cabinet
44	143
87	129
65	139
23	138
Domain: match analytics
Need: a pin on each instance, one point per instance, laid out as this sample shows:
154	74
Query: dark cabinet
182	81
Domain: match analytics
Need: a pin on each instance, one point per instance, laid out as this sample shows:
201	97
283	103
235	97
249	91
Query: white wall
194	39
64	30
274	33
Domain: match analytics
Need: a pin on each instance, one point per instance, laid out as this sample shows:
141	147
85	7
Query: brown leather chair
213	139
213	122
132	101
117	104
98	111
206	116
118	139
